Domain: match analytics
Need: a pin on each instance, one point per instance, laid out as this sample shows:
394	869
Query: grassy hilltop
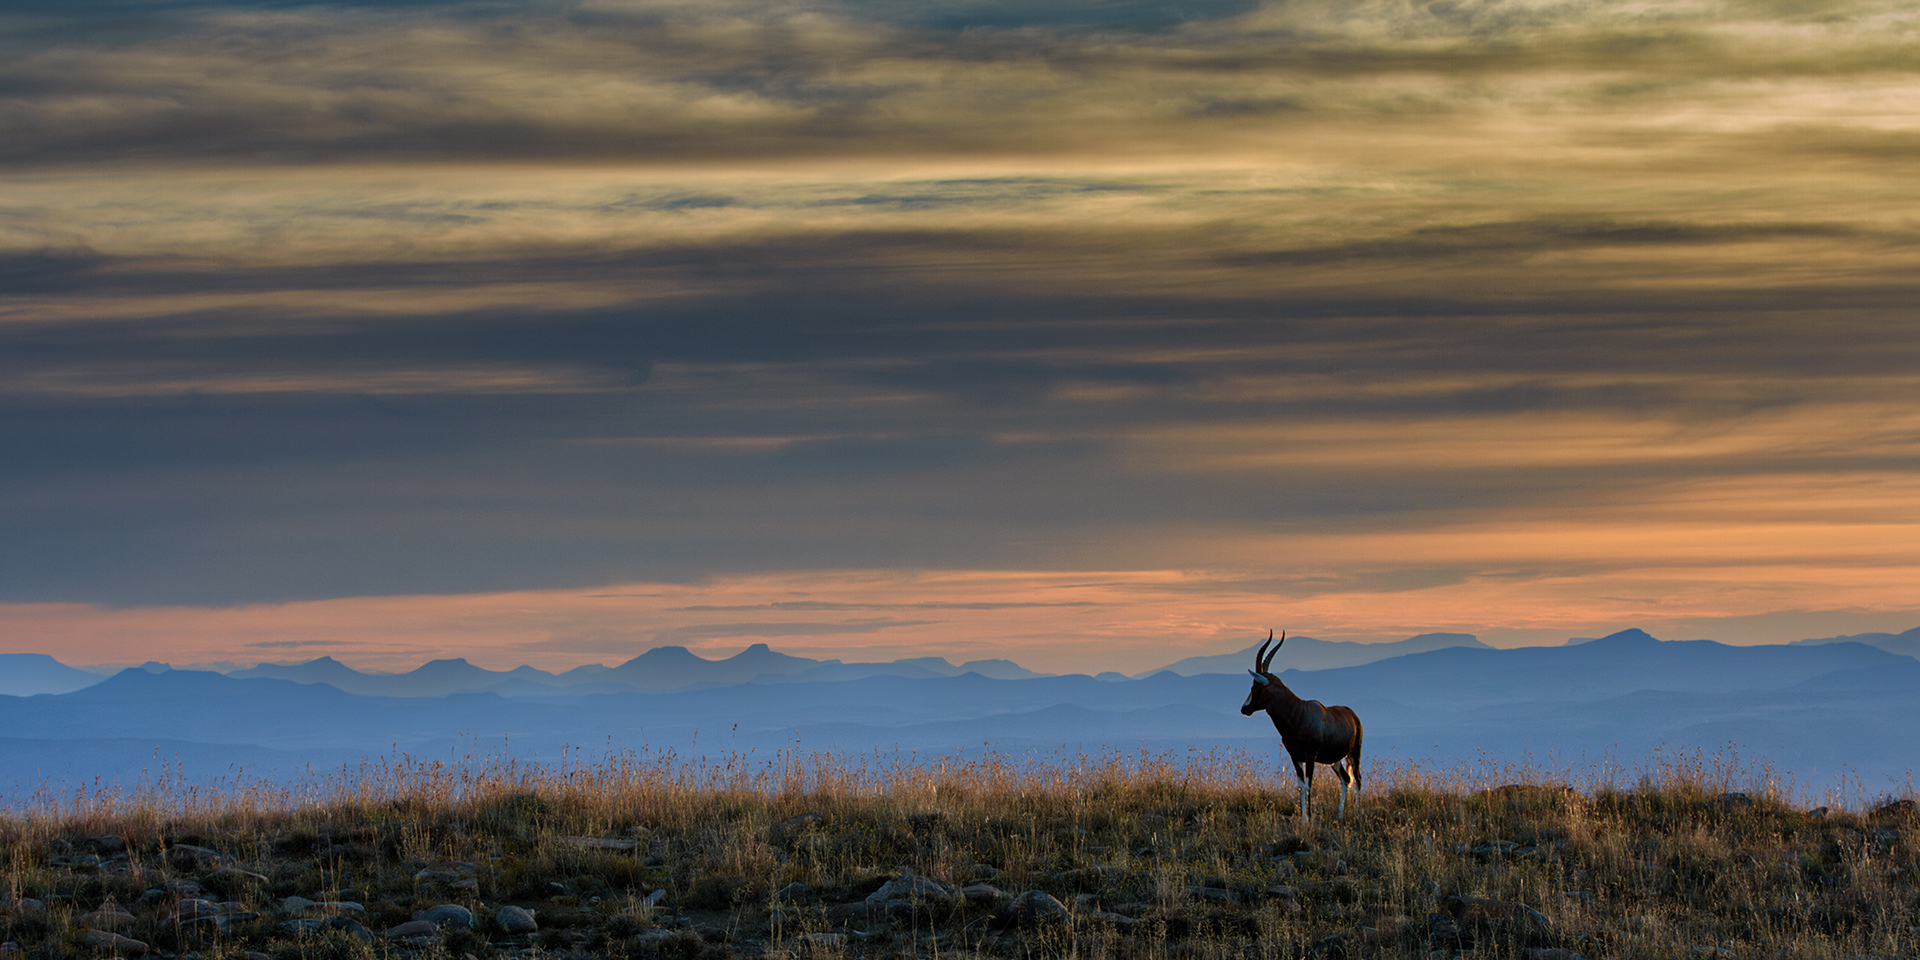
1189	857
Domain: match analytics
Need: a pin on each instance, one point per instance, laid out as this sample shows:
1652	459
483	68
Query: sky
1089	333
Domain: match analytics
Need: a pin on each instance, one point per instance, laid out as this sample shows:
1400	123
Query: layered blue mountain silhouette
25	674
1819	712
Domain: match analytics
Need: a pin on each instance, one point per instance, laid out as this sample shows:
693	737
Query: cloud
1383	313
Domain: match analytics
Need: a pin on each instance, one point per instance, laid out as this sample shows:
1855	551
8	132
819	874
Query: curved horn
1260	655
1268	662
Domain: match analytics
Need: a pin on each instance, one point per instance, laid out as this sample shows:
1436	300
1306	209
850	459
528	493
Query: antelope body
1311	731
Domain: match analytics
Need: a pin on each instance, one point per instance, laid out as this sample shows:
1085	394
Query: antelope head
1263	682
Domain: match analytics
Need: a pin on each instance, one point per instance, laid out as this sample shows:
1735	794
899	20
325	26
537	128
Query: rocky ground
1092	870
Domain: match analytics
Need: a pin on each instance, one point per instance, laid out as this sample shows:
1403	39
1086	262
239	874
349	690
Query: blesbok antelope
1311	731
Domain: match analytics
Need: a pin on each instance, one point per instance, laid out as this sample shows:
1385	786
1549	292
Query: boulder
116	944
1502	918
1036	908
447	916
984	895
512	919
111	916
911	886
415	933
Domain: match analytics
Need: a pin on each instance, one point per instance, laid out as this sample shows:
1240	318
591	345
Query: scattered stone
912	886
447	916
27	907
793	827
792	891
652	900
468	886
230	877
983	872
1492	850
415	933
1112	919
1733	802
221	916
1284	867
984	895
314	926
1501	917
1213	895
1333	946
451	871
292	907
107	843
656	940
188	856
111	916
1036	908
1893	810
599	843
185	889
115	943
511	919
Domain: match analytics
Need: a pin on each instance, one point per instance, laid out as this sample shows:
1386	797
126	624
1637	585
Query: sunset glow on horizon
1086	335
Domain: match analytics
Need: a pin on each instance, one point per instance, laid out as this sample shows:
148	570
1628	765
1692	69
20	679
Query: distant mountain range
25	674
1827	713
1306	653
1906	643
657	670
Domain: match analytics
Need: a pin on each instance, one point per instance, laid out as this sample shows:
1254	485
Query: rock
1893	810
1036	908
1501	917
1550	953
292	907
185	889
790	892
27	907
1213	895
984	895
221	916
416	933
314	926
447	916
1492	850
1333	946
450	871
599	843
1111	919
190	857
512	919
111	916
793	827
107	843
229	877
983	872
115	943
1733	802
652	900
912	886
684	941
